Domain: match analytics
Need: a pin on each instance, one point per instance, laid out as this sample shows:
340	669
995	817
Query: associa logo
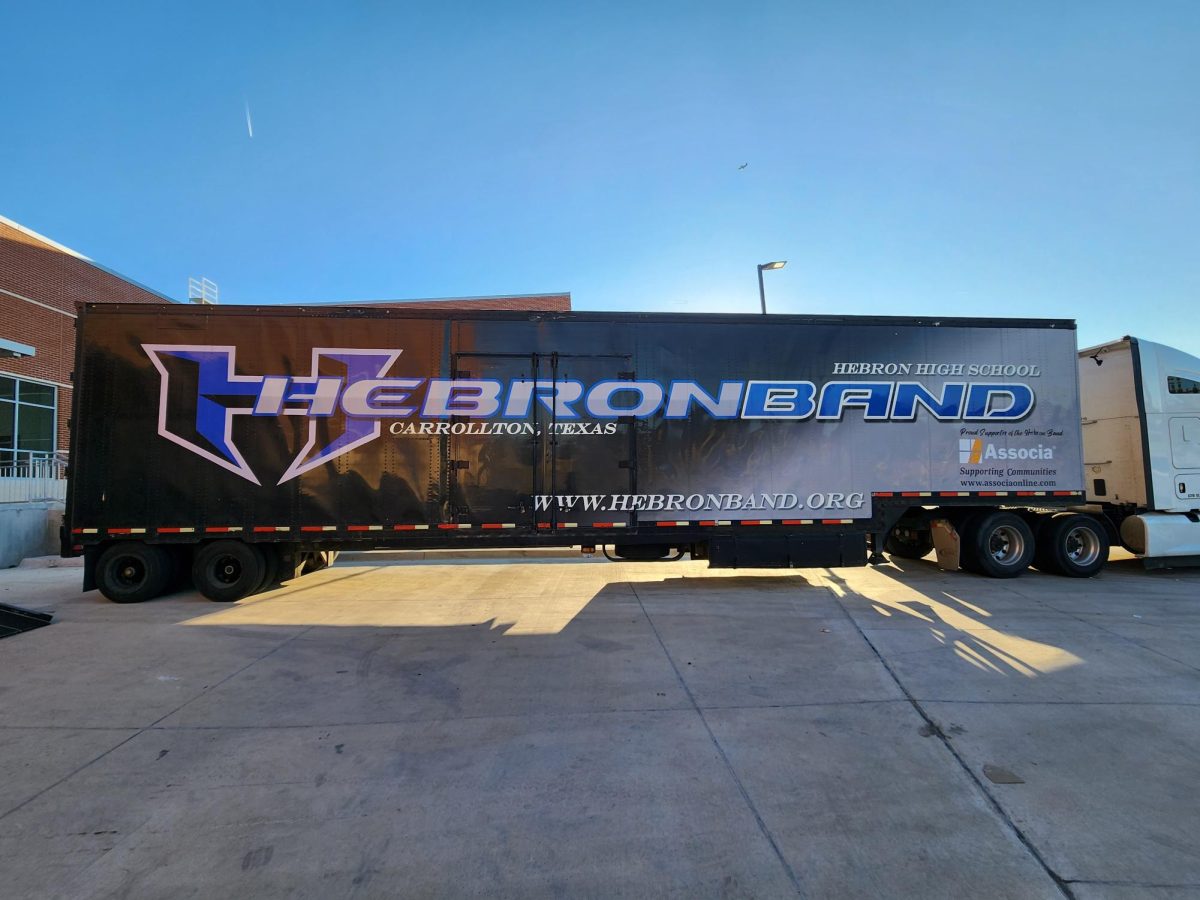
973	451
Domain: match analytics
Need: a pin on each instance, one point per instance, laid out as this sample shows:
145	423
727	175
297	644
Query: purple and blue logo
219	394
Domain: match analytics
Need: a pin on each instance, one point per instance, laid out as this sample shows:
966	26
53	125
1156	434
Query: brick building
41	282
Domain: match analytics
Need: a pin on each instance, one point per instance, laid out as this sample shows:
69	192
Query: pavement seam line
624	710
147	728
1062	884
737	781
1140	884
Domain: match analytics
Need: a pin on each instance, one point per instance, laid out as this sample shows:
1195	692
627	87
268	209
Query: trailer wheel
1071	544
908	543
131	572
271	567
999	544
225	571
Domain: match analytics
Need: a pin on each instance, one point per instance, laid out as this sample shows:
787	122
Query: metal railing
27	475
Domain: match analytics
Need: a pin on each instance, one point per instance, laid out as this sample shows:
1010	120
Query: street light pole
762	291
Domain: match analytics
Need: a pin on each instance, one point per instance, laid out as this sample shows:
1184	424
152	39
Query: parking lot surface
579	728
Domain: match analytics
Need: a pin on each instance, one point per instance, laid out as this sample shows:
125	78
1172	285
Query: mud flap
947	543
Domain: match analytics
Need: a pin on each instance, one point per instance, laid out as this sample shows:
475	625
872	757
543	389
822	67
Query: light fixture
762	291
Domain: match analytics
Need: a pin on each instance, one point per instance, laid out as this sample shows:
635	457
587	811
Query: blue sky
905	158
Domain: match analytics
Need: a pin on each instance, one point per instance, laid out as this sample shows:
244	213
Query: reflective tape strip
882	494
671	524
259	529
364	527
1066	493
756	522
543	524
176	529
221	529
498	525
724	522
837	521
568	524
993	493
318	528
797	521
90	530
127	531
706	523
410	527
954	493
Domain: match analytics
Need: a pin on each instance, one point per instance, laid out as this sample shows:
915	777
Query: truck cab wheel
225	571
997	543
130	572
1071	544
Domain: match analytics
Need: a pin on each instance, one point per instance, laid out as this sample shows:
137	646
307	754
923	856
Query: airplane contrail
249	124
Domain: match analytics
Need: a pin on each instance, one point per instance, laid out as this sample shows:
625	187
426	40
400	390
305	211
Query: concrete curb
51	562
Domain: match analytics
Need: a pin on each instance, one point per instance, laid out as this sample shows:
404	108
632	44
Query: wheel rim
1082	546
227	569
1006	545
129	572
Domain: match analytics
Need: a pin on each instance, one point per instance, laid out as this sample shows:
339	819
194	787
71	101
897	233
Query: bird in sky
742	166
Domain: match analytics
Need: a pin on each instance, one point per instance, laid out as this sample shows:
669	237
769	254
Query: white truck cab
1140	404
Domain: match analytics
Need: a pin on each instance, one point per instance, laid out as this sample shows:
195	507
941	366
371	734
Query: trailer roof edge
331	311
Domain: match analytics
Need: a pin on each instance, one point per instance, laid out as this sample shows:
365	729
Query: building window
1177	385
28	421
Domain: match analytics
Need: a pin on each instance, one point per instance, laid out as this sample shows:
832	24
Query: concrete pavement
581	728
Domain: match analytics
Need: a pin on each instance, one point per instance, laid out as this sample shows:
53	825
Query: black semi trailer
247	444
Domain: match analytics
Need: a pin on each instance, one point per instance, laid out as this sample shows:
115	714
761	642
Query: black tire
271	567
225	571
1071	544
997	544
132	572
641	552
908	543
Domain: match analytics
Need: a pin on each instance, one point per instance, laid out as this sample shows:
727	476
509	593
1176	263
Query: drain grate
14	620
